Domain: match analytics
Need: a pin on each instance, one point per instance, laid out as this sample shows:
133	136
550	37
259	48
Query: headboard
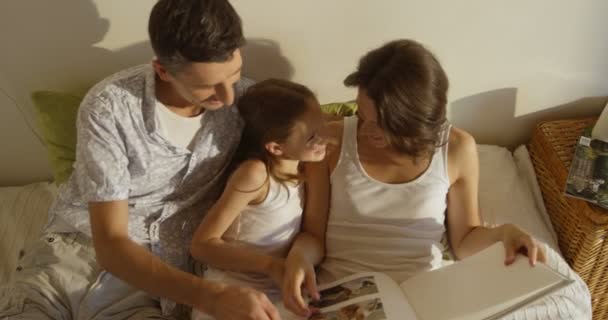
510	63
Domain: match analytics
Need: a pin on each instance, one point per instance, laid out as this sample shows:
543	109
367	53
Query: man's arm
134	264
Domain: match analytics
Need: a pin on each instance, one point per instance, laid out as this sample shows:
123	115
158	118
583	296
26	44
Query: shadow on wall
262	59
489	116
52	45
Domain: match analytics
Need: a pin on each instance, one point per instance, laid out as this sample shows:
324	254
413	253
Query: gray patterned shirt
120	154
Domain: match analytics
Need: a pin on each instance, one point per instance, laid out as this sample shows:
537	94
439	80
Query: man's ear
161	71
274	148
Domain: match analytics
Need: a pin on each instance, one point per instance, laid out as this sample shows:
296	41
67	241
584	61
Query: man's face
208	85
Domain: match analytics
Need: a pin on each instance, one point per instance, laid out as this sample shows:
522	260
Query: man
153	144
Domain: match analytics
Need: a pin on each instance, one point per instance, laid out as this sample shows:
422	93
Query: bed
508	194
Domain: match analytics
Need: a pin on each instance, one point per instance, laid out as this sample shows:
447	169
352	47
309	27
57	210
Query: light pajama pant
58	278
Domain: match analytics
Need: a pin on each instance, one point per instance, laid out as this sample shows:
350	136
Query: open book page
365	296
480	287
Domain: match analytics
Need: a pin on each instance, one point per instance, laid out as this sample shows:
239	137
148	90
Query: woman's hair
270	109
186	31
409	88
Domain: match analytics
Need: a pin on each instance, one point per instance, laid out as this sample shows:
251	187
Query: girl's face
306	141
368	116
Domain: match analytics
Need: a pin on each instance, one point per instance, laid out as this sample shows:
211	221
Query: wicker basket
581	227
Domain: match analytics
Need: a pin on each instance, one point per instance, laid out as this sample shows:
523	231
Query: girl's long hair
270	109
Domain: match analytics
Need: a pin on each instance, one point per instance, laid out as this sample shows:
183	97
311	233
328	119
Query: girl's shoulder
249	176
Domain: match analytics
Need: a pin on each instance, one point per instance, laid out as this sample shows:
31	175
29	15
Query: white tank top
375	226
268	227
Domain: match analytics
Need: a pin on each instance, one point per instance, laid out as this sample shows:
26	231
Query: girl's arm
248	184
465	232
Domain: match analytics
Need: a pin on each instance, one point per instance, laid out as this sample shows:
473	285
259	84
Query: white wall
510	63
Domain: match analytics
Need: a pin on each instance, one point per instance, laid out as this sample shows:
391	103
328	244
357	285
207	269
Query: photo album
477	287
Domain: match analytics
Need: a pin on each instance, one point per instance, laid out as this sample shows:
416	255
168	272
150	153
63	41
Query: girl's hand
517	241
299	273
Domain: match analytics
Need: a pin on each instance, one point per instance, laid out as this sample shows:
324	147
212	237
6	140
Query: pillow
340	109
506	195
23	212
56	113
526	170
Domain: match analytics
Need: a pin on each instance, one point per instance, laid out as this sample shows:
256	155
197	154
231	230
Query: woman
401	178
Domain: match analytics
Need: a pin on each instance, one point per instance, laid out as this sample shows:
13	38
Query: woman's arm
311	241
248	184
308	248
466	235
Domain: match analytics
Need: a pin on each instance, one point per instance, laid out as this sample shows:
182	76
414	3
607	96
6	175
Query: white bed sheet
23	213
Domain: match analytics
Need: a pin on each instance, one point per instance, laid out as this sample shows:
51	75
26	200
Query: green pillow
342	109
56	112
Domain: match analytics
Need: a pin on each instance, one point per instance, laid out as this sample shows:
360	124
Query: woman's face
368	117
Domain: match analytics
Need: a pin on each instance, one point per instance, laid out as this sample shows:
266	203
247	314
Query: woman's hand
517	241
299	273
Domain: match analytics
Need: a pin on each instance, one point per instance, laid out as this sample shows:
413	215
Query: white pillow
23	213
508	192
526	170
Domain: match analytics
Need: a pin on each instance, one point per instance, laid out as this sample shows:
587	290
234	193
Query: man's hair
409	88
186	31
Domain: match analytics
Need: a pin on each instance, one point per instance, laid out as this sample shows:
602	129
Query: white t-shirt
179	130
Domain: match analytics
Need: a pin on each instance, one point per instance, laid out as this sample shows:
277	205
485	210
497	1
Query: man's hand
241	303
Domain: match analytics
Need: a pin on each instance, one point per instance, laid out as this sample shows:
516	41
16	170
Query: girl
246	235
401	179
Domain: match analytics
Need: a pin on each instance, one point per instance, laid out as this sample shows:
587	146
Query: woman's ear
274	148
